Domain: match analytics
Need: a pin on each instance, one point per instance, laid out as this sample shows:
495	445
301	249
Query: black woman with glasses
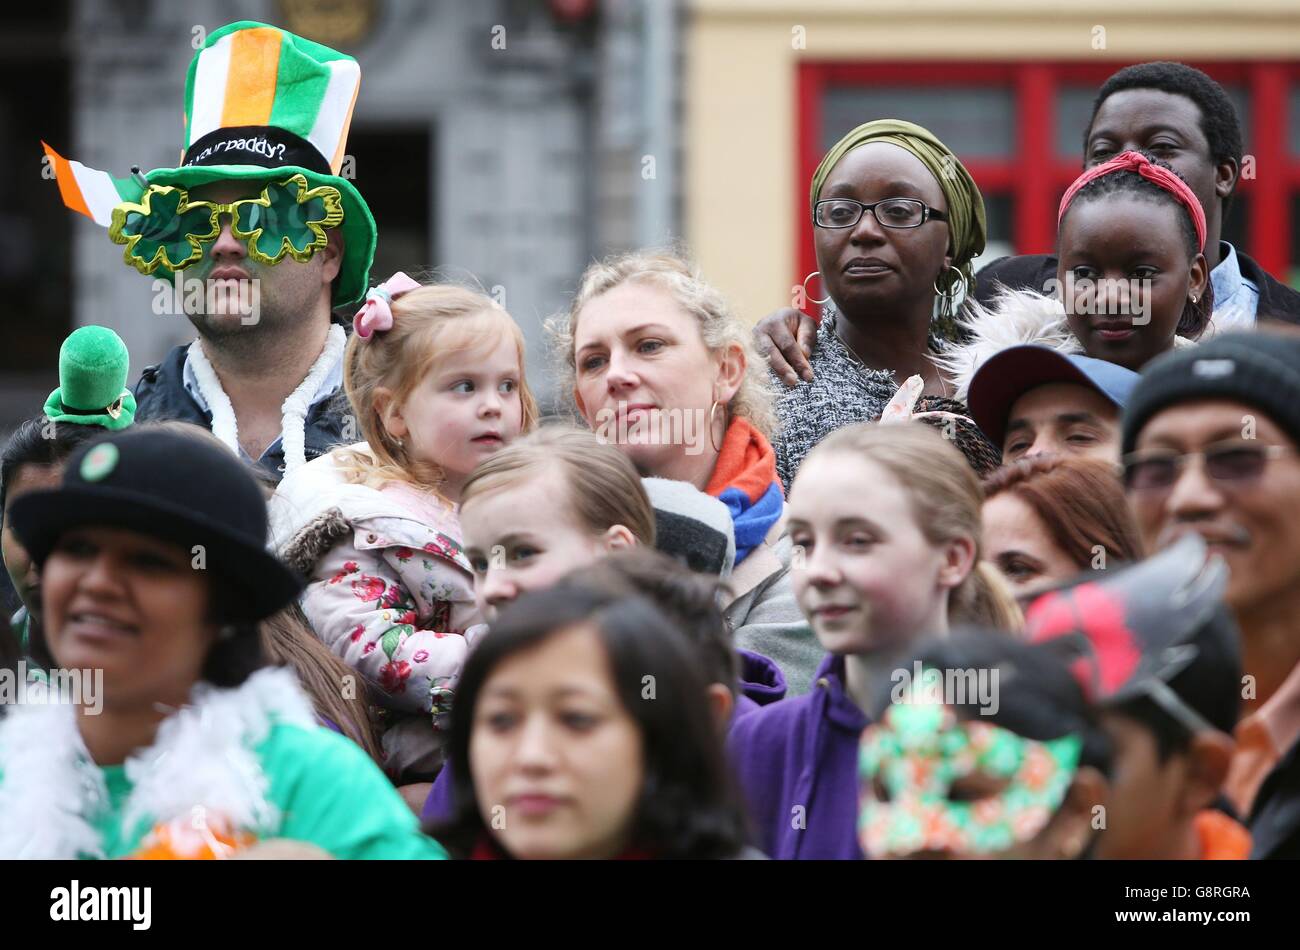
1210	446
897	220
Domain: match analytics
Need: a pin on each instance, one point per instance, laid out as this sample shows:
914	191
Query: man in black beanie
1210	438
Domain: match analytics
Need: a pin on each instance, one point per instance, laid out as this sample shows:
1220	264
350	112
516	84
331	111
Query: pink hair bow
375	315
1135	161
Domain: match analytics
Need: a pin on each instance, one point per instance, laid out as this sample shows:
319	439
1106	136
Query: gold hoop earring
712	410
824	300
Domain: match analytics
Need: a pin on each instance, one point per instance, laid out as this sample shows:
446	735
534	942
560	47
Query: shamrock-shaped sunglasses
168	230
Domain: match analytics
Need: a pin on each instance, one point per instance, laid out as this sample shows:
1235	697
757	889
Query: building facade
502	143
1008	84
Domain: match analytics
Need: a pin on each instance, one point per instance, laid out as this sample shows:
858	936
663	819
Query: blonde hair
430	324
600	484
719	327
946	500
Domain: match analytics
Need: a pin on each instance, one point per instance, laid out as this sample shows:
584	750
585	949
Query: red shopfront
1019	127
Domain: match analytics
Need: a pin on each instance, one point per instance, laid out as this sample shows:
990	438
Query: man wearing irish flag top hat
262	236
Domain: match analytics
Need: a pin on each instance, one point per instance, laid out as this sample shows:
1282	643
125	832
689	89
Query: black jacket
1277	302
161	394
1275	815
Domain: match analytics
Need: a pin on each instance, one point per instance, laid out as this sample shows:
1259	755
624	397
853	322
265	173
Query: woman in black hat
154	575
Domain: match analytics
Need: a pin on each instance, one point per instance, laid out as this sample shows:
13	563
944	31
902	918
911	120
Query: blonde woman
660	366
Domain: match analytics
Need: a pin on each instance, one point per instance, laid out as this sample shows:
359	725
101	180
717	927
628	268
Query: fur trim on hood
1015	318
311	543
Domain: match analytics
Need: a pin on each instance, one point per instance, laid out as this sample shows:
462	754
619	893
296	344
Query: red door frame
1037	175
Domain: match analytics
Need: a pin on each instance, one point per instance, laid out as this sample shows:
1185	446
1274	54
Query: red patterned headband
1166	179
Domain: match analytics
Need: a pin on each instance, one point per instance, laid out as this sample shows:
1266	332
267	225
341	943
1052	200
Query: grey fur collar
315	539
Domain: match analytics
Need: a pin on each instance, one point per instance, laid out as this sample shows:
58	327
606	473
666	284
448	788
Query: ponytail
946	500
984	599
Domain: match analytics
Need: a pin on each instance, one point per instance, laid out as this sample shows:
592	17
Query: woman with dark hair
90	400
1013	765
32	459
154	571
582	730
1048	518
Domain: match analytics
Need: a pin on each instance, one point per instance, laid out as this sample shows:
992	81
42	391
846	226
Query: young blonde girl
556	500
551	504
435	375
886	523
561	498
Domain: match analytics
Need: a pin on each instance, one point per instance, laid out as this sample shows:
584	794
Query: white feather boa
1016	317
202	757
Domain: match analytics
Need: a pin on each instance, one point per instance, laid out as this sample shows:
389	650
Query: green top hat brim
55	412
359	232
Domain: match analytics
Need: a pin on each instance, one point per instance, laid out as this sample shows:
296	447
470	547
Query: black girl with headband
1131	269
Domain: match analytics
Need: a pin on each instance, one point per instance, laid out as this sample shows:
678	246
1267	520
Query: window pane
973	122
1293	278
999	216
1074	109
1295	121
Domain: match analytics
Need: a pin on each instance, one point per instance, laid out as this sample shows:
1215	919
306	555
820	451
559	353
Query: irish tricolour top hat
260	103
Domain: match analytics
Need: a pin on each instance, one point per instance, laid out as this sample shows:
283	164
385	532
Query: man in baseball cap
1210	438
1033	400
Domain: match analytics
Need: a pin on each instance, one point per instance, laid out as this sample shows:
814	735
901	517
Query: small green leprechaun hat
93	364
260	103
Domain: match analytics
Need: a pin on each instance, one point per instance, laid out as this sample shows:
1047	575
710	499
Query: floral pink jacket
390	592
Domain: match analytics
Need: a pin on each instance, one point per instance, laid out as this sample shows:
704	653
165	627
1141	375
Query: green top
327	791
20	624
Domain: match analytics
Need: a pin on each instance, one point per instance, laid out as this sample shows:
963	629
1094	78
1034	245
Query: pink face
1062	419
644	371
465	409
557	762
864	573
1019	543
524	536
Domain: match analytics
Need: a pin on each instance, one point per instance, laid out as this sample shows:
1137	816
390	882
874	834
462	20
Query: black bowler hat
174	487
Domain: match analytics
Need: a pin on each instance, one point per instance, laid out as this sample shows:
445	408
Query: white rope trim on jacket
294	422
294	409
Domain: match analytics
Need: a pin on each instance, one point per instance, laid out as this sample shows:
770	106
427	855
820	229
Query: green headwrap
965	203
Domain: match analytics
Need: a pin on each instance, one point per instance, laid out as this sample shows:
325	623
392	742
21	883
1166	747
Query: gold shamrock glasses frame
165	229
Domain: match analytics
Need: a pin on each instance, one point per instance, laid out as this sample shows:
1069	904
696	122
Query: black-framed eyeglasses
1226	462
891	212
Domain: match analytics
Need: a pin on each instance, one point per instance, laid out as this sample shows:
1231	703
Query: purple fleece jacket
761	683
797	763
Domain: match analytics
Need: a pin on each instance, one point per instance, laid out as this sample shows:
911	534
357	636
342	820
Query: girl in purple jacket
886	526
